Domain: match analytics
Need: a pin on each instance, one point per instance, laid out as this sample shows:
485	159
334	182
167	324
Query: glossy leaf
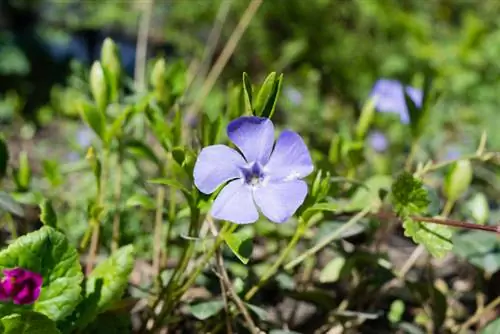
240	244
48	252
48	215
28	322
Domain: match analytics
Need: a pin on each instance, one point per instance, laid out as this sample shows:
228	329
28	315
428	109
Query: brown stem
442	221
94	244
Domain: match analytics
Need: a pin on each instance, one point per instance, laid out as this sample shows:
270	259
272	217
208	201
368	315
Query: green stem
328	239
160	199
411	156
301	228
115	240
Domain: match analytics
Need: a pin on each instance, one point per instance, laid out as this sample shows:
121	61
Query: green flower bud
458	179
98	86
111	63
479	208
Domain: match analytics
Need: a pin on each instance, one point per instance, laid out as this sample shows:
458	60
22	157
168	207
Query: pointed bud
98	86
458	179
111	64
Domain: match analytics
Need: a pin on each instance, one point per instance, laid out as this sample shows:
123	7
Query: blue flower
378	141
261	176
389	97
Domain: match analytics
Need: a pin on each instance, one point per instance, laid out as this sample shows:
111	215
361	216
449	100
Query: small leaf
331	272
48	215
247	94
7	203
240	244
260	312
4	157
409	196
396	311
28	322
330	207
143	201
266	99
94	119
52	172
47	252
111	64
365	119
205	310
113	273
436	238
171	183
22	175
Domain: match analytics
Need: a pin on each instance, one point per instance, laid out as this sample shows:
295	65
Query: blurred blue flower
389	97
84	136
452	153
378	141
294	95
260	176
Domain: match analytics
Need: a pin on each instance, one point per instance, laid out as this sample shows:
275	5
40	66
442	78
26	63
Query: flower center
253	174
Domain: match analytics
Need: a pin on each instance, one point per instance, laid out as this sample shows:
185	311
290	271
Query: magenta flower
389	97
261	176
20	285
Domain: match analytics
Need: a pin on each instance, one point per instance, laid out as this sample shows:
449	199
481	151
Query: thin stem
271	271
411	156
94	245
477	316
328	239
142	45
224	56
115	241
160	199
410	262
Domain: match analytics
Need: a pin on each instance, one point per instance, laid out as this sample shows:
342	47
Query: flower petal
279	201
235	204
254	136
290	159
215	165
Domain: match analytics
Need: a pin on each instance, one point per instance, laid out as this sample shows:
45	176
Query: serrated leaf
436	238
205	310
240	244
409	195
48	215
143	201
113	273
331	272
247	94
28	322
7	203
4	157
48	252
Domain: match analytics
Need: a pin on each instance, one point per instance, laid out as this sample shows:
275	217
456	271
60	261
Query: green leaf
48	215
331	272
240	244
409	196
365	196
267	98
330	207
247	94
4	157
7	203
22	175
493	327
48	252
396	311
94	118
258	311
141	200
52	172
436	238
28	322
205	310
365	119
113	273
171	183
479	248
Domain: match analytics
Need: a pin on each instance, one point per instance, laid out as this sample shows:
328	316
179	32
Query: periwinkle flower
389	97
20	285
261	176
378	141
